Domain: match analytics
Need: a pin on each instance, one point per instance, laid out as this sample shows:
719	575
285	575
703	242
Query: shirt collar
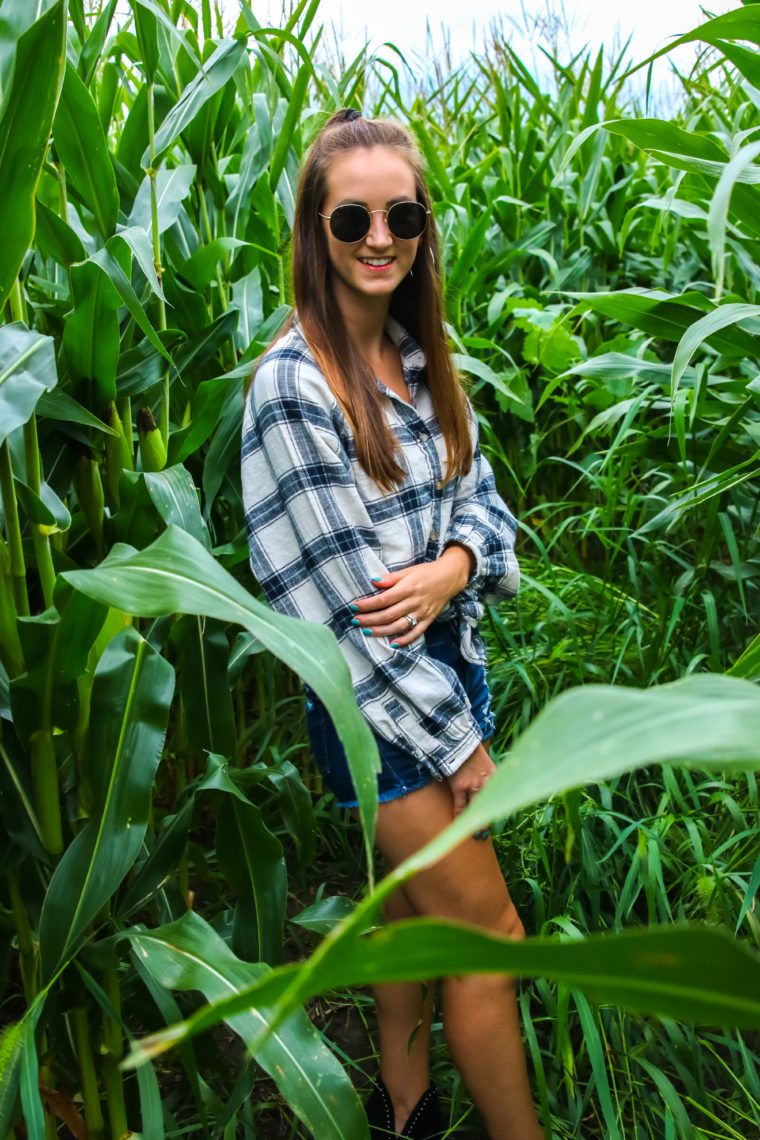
412	356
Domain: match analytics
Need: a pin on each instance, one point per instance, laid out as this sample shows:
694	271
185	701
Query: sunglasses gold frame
369	213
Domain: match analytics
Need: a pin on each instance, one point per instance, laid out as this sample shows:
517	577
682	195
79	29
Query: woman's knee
510	924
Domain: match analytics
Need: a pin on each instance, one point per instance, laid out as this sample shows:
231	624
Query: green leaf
147	39
252	862
172	187
663	315
718	216
248	299
29	1077
121	283
46	509
176	499
702	330
199	349
81	145
91	332
217	70
140	244
207	404
11	1047
473	248
163	858
56	645
176	575
26	116
59	405
693	974
748	665
189	955
27	371
200	267
56	239
129	712
209	720
476	367
93	46
288	129
324	916
137	521
253	163
295	806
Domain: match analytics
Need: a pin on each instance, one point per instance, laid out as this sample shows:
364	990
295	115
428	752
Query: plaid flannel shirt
320	529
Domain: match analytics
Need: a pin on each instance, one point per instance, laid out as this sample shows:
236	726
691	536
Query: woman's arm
422	590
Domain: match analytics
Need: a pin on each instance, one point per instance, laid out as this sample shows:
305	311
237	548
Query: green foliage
602	283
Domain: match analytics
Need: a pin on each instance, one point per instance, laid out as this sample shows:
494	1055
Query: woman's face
374	266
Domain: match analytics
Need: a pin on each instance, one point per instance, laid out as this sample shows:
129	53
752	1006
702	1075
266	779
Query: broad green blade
27	370
215	73
81	145
26	116
129	713
694	974
251	860
189	955
177	575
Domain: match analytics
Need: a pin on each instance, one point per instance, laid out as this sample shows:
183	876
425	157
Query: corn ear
152	446
89	488
118	454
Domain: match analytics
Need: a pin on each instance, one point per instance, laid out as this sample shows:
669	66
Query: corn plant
155	818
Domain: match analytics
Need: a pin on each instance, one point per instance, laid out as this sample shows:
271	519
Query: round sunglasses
351	222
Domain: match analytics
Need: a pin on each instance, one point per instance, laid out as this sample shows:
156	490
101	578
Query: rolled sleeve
482	522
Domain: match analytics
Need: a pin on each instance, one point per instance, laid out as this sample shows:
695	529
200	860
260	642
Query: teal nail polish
354	609
367	632
394	645
354	621
377	579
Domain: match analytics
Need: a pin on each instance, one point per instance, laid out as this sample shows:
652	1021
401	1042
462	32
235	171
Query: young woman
370	508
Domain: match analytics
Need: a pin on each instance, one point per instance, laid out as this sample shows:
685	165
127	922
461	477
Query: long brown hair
416	303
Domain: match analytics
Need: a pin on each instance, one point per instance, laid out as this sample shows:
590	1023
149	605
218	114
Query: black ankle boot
424	1121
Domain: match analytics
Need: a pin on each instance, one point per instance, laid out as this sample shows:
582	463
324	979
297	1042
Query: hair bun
345	115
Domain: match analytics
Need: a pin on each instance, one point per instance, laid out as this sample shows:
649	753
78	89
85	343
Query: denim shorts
400	772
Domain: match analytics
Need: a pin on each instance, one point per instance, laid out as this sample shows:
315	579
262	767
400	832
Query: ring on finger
411	620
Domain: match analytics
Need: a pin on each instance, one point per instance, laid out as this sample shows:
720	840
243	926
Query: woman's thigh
467	884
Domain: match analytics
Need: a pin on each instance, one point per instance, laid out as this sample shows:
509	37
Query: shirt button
439	485
433	535
423	437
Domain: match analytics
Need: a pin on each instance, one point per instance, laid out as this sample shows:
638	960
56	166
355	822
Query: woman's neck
364	319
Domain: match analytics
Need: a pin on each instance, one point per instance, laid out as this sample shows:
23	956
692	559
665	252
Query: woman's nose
378	233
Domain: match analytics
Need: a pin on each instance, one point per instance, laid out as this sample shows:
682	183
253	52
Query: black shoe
424	1121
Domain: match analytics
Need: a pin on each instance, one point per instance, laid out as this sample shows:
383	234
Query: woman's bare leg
404	1014
480	1012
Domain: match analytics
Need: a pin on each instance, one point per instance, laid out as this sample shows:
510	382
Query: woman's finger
394	619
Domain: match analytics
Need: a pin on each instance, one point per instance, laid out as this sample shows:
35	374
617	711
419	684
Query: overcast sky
650	23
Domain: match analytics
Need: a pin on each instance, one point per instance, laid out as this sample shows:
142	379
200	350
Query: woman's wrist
461	563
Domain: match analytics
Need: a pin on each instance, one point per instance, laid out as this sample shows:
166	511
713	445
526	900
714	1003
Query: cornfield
182	908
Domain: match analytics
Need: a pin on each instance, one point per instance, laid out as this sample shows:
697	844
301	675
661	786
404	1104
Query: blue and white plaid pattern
320	529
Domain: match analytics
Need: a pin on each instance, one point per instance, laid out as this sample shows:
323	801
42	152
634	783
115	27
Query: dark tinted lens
407	220
349	223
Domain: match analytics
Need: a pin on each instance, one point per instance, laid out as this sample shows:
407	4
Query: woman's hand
422	591
470	777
